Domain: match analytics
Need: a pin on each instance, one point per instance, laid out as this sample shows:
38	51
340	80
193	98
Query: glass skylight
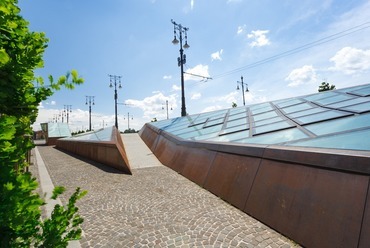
327	119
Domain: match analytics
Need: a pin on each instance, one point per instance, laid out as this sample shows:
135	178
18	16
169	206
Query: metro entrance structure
300	165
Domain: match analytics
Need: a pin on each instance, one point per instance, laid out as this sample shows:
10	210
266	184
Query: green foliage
63	225
234	105
21	53
325	87
130	130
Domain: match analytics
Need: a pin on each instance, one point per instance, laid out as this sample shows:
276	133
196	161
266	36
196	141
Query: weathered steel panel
365	232
231	177
149	136
195	163
314	207
166	152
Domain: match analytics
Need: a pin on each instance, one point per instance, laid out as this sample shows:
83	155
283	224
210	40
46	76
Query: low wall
317	197
111	153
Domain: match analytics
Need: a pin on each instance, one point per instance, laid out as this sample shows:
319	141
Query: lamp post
90	100
166	108
182	59
67	110
128	120
114	79
242	83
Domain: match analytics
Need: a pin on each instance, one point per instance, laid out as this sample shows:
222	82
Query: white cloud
176	87
351	60
259	37
211	108
304	75
200	70
191	4
153	106
217	55
196	96
167	77
240	29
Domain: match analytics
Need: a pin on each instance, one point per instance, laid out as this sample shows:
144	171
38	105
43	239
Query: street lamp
67	110
242	83
166	108
182	59
89	100
128	120
114	79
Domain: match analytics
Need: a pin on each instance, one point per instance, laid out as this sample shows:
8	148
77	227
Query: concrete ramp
138	154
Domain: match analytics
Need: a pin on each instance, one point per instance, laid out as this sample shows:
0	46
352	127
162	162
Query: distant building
54	131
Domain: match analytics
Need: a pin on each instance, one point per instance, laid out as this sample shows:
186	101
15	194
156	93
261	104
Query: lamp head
186	46
175	41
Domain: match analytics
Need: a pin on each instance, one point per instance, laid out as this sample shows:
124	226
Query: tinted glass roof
337	119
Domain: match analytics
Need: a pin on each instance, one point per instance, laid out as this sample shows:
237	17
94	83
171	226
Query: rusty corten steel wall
111	153
317	197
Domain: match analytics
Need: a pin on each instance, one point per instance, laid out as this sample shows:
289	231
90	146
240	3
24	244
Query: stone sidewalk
154	207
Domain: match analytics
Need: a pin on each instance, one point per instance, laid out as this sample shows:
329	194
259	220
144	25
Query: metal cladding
104	146
302	173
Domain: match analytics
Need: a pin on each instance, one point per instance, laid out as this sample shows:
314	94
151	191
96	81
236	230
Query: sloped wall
111	153
318	198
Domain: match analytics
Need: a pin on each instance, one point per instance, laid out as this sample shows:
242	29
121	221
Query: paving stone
154	207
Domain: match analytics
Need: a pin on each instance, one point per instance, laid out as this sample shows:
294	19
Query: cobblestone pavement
155	207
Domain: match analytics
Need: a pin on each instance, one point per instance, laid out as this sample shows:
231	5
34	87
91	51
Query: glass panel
359	108
237	116
296	108
321	116
195	133
237	110
185	130
340	125
271	127
275	137
214	122
289	103
362	92
320	95
262	110
268	121
349	89
58	130
230	137
349	102
259	106
236	122
307	112
264	116
100	135
334	99
352	141
234	129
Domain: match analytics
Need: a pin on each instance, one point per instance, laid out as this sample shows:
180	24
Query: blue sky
282	49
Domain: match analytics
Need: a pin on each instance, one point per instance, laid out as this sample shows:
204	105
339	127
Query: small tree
20	54
234	105
325	87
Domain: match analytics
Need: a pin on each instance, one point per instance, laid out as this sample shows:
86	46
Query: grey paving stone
154	207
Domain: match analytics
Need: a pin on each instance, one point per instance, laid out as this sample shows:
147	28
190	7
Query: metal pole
115	103
167	108
183	106
243	90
